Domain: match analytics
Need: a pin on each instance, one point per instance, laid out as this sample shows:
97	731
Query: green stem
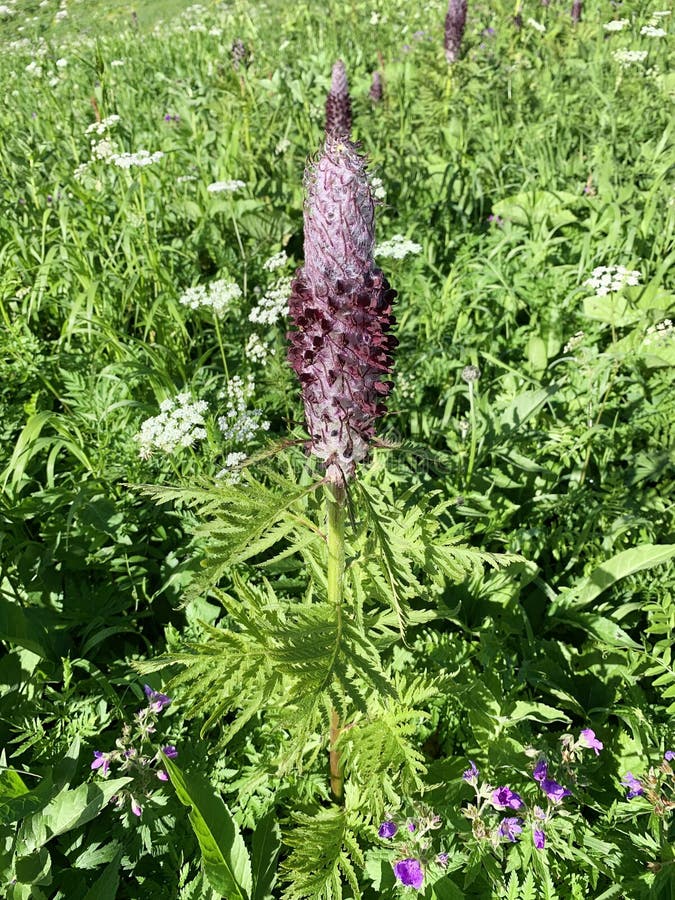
335	502
473	435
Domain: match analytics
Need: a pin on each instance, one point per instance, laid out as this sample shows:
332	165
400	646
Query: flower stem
474	437
335	502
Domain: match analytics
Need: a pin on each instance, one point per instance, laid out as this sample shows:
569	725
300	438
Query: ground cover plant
337	464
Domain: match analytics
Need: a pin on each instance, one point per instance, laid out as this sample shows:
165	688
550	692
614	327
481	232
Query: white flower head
256	349
216	296
273	305
615	25
660	334
626	58
652	31
610	279
538	26
219	187
278	261
141	159
180	423
397	247
240	424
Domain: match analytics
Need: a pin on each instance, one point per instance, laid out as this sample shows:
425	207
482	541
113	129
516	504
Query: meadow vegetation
214	682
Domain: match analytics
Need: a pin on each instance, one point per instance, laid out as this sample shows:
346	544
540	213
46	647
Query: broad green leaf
600	627
68	809
11	785
539	712
105	887
36	868
265	851
628	562
224	854
614	309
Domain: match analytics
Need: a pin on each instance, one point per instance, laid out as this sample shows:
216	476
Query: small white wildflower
615	25
397	247
6	10
282	146
34	69
538	26
217	296
102	126
183	179
235	459
574	341
374	18
405	386
215	32
273	305
217	187
140	158
102	149
609	279
81	171
240	424
61	63
256	350
651	31
61	15
278	261
116	63
377	188
179	424
53	82
627	57
661	333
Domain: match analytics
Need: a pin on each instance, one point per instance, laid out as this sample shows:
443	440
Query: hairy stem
335	500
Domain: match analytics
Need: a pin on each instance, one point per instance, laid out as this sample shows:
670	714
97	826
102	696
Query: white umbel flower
180	423
219	187
217	296
397	247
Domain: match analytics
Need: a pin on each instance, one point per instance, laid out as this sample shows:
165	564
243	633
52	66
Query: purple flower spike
540	771
240	55
539	839
455	22
170	751
505	798
471	774
588	739
388	829
669	755
510	828
338	104
555	792
576	11
340	305
409	872
635	788
157	701
376	92
101	762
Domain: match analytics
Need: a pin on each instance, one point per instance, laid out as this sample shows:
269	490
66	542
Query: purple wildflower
240	55
510	828
387	830
576	11
505	798
376	91
170	751
442	859
102	762
555	792
540	770
168	117
340	305
588	739
471	774
669	755
495	220
455	22
161	774
409	872
412	828
635	788
157	701
539	838
136	807
338	104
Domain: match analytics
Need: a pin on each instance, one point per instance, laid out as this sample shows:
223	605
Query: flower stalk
335	505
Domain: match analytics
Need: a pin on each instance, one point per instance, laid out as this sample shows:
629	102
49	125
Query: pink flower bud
338	104
340	305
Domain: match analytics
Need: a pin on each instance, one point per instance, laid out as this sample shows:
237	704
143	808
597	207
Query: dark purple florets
338	104
341	307
455	22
